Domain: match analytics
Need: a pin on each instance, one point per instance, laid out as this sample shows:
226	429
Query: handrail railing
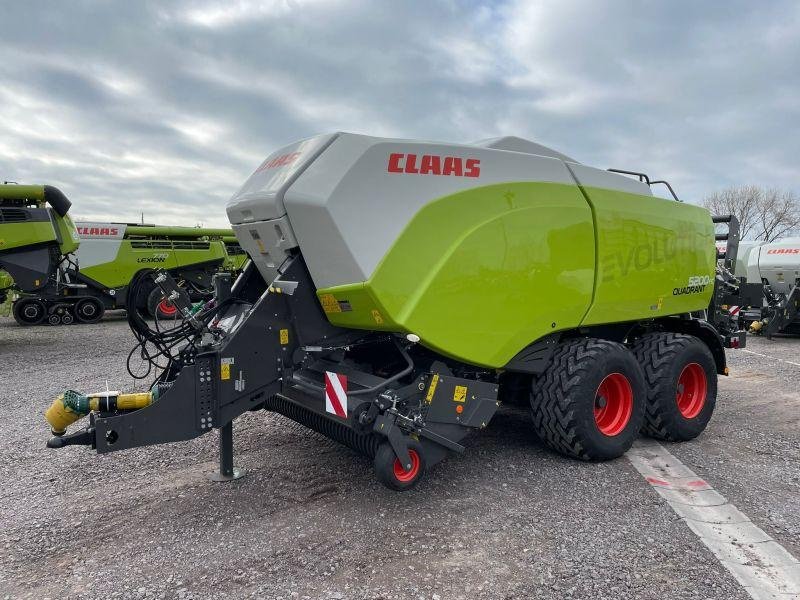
645	178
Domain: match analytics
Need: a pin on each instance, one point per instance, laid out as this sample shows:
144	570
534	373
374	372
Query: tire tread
655	353
554	418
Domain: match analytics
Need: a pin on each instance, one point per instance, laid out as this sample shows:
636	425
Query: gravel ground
506	520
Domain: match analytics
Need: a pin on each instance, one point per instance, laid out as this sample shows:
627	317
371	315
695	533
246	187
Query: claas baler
398	291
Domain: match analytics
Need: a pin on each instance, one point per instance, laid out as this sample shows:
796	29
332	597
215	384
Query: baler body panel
482	272
478	260
348	207
261	196
517	261
656	257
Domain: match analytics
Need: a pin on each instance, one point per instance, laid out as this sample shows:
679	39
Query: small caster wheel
54	319
66	319
391	473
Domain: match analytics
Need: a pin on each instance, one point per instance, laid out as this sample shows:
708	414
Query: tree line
765	214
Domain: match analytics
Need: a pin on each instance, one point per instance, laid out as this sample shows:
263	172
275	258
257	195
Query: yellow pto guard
70	406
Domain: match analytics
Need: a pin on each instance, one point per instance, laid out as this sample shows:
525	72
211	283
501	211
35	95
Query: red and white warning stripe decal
734	310
336	394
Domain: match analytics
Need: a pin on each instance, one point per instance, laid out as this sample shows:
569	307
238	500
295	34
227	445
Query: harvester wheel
681	379
589	402
29	311
390	471
89	310
159	306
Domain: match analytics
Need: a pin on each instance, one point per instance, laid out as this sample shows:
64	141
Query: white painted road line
788	362
760	564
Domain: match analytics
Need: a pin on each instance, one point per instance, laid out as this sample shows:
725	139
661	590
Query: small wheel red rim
613	404
692	390
167	308
401	474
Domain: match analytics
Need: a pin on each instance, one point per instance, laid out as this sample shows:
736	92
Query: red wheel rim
613	404
167	308
405	476
692	390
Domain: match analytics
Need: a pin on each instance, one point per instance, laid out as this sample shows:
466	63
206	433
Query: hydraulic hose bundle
154	344
165	350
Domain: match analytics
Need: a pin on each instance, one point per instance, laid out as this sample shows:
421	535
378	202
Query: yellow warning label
432	388
377	316
225	371
284	337
460	393
329	303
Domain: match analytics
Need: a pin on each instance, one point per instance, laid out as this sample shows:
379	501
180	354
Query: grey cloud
165	107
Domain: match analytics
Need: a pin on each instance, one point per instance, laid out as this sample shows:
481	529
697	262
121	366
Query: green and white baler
399	291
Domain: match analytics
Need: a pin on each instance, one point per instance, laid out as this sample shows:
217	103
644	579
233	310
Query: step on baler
400	291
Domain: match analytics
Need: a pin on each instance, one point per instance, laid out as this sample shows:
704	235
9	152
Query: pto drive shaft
70	406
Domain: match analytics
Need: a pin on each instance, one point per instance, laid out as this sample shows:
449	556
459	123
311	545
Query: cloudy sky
166	107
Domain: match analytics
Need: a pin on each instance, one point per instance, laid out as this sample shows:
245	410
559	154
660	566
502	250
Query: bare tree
764	214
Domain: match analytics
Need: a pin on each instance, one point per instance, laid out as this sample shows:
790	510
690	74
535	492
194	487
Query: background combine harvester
82	282
36	234
400	290
111	254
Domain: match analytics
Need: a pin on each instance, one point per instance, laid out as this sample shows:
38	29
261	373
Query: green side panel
131	259
480	274
357	306
656	257
70	240
18	235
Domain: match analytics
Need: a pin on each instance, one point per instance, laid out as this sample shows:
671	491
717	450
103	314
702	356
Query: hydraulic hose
316	388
